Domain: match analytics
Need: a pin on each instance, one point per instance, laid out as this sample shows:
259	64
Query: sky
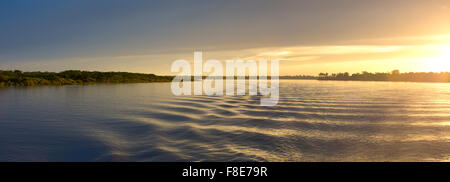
308	37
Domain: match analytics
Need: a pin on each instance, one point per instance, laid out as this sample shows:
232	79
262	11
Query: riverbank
75	77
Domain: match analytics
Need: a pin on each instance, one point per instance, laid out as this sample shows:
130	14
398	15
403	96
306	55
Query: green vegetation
75	77
393	76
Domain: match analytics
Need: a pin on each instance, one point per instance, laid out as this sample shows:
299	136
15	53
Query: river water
314	121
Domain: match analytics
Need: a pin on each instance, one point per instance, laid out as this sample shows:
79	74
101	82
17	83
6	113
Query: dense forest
393	76
75	77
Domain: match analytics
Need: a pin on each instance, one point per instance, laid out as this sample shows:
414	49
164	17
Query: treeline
299	77
296	77
75	77
393	76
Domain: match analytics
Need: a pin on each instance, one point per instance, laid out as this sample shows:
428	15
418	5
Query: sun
441	63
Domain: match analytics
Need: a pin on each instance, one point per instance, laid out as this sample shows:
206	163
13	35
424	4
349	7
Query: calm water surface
314	121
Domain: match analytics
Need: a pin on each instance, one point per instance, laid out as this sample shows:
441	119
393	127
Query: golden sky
308	37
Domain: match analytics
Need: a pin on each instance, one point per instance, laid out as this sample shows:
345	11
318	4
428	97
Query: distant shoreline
76	77
394	76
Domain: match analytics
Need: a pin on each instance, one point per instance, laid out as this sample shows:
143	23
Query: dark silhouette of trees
393	76
75	77
297	77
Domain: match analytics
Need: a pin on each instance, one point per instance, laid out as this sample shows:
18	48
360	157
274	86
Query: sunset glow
441	62
307	37
234	81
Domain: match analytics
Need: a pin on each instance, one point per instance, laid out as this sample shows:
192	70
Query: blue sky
146	36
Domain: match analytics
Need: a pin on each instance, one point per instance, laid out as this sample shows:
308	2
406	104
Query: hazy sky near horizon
146	36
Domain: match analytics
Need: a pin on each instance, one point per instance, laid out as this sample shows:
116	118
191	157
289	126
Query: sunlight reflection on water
314	121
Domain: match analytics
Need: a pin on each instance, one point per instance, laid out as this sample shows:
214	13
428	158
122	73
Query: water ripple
314	121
